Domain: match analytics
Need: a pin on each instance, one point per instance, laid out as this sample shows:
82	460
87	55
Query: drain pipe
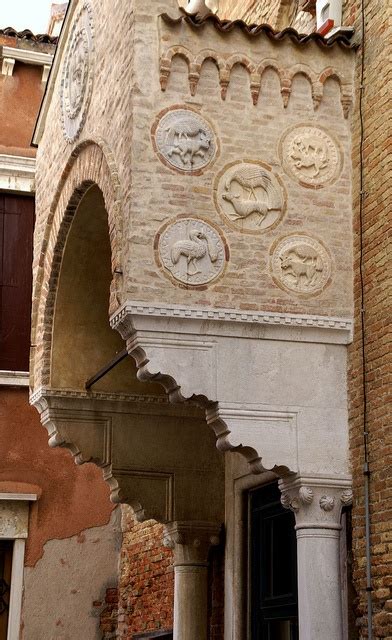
366	467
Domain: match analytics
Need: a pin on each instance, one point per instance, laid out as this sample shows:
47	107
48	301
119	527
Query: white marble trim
342	328
14	378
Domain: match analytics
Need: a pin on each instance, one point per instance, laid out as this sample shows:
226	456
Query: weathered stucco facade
194	186
56	518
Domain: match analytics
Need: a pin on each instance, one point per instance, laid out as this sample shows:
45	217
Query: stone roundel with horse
191	251
249	196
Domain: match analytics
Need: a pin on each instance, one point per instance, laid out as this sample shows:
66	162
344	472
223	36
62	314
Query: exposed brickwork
109	614
252	11
295	96
146	585
277	13
91	162
378	333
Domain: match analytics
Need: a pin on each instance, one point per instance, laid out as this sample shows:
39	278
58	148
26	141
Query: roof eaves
26	34
254	30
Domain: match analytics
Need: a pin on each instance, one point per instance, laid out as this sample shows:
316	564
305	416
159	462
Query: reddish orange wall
20	99
72	498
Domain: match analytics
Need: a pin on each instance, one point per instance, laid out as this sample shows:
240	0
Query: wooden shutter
16	256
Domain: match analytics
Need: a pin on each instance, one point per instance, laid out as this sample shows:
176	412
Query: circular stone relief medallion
301	264
192	251
184	140
77	75
310	156
248	195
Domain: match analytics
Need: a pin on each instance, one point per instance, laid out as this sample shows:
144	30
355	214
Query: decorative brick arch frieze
226	63
91	163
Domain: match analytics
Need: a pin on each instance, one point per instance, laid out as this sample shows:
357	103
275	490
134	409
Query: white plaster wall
73	573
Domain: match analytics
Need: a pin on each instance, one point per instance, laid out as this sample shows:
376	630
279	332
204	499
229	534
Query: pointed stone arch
90	163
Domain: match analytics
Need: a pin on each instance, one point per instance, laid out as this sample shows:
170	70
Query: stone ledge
330	330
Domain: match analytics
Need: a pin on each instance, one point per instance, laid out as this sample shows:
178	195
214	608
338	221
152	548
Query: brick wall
377	288
256	11
145	597
146	584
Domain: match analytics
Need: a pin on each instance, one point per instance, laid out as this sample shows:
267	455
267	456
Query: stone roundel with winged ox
191	251
310	155
300	264
184	140
76	87
249	196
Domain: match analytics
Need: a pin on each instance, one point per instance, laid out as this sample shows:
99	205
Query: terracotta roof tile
28	35
254	30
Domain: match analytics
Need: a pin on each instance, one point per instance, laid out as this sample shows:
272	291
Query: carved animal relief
78	75
184	140
301	264
311	156
249	196
191	251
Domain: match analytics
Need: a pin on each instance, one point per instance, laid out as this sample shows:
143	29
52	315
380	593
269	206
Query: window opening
16	257
272	567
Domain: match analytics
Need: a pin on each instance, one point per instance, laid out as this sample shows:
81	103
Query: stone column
190	542
317	504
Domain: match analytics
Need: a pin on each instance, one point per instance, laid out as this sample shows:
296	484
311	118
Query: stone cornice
28	57
14	378
340	328
42	392
11	54
17	173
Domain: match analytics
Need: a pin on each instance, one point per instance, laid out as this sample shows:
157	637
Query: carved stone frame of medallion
291	174
278	281
168	274
224	216
86	98
197	112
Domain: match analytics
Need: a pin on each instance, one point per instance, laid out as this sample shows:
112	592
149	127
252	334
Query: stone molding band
342	326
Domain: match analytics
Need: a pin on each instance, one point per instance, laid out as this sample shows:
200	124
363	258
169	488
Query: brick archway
91	163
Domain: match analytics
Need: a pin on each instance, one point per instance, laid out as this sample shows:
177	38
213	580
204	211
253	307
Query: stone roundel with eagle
249	196
191	251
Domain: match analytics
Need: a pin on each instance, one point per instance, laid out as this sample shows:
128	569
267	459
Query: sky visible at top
26	14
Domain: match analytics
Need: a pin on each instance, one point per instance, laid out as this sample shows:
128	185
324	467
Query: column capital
317	502
191	541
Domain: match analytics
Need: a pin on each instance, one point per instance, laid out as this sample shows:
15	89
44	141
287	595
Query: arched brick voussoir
165	65
90	163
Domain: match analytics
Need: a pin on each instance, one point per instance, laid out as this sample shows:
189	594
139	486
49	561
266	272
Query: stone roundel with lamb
184	140
191	251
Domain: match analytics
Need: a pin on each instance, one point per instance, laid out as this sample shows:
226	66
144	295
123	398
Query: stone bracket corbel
188	351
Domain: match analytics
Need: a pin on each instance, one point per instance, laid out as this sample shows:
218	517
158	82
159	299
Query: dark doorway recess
273	567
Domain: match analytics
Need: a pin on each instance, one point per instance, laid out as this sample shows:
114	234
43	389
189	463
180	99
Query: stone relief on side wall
310	156
76	86
184	140
300	264
249	196
192	251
